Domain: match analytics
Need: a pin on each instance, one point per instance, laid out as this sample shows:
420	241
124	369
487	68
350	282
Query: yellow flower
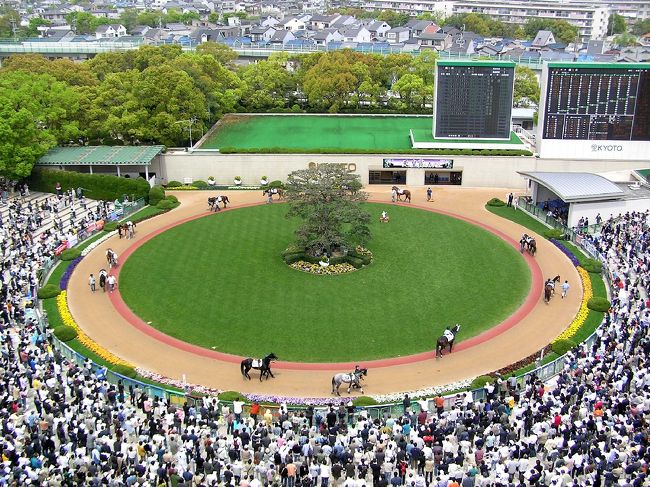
583	312
85	340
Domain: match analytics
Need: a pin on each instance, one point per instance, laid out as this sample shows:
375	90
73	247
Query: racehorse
549	288
446	340
402	192
263	365
272	191
111	258
526	242
102	279
213	202
353	379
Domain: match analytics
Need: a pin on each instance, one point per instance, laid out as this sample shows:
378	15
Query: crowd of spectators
64	425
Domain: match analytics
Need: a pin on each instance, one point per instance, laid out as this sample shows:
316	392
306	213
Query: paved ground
97	315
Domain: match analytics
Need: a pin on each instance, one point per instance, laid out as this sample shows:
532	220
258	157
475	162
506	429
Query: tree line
140	96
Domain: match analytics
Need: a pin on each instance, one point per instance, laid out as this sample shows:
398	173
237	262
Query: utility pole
14	28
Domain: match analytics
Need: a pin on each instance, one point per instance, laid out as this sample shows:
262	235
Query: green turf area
220	282
316	132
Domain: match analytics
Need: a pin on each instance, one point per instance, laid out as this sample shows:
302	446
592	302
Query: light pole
189	122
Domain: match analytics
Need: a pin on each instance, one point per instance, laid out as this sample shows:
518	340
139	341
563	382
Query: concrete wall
477	171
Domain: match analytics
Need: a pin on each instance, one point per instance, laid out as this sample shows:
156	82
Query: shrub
200	184
96	186
48	291
110	226
598	303
291	258
554	233
174	184
495	202
70	254
356	262
592	265
171	197
65	333
363	401
276	184
125	370
165	204
230	395
156	194
562	346
480	381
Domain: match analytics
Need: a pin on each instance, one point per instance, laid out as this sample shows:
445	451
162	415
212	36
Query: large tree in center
328	199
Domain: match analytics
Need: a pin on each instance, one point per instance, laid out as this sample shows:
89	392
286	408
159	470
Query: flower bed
331	270
161	379
63	284
97	242
85	340
583	312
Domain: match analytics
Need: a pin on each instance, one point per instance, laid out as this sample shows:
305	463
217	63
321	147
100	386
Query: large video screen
597	103
474	101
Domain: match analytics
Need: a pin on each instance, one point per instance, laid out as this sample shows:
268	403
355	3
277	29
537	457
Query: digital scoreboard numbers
473	100
596	103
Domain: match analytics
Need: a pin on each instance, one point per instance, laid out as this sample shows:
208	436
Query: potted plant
211	181
237	180
264	181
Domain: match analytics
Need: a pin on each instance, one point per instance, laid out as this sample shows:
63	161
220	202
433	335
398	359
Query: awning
576	186
101	155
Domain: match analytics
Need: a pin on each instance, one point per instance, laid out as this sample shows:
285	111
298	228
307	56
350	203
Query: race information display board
597	102
473	99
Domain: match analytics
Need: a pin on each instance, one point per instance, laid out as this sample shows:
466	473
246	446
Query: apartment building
590	18
410	7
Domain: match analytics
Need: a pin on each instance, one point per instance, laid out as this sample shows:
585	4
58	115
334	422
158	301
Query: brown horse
549	288
402	192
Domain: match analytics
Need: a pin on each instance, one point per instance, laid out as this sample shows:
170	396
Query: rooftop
577	186
101	155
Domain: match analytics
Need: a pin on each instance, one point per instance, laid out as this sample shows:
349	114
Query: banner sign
72	241
418	163
61	248
99	224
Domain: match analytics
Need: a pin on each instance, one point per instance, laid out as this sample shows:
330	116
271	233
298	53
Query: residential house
320	21
178	29
542	39
294	23
397	35
140	30
464	44
449	29
110	31
281	37
418	26
262	33
355	34
269	21
325	36
55	14
433	38
154	36
344	21
378	29
55	35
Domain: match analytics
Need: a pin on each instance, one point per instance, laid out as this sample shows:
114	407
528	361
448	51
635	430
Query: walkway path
97	315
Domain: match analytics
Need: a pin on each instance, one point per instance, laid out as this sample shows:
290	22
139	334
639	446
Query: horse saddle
449	335
257	362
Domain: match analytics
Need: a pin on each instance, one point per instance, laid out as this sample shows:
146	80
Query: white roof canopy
576	186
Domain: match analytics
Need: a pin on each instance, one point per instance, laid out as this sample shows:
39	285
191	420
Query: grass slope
219	282
316	132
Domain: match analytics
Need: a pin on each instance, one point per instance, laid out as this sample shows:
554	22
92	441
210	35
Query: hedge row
336	150
96	186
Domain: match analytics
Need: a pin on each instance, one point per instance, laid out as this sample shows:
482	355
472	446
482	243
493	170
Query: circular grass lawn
220	282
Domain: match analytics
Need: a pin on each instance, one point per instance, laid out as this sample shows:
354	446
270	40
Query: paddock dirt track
99	318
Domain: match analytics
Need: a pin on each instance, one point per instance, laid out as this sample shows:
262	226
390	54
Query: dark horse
402	192
213	202
272	191
263	365
527	243
549	288
446	340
